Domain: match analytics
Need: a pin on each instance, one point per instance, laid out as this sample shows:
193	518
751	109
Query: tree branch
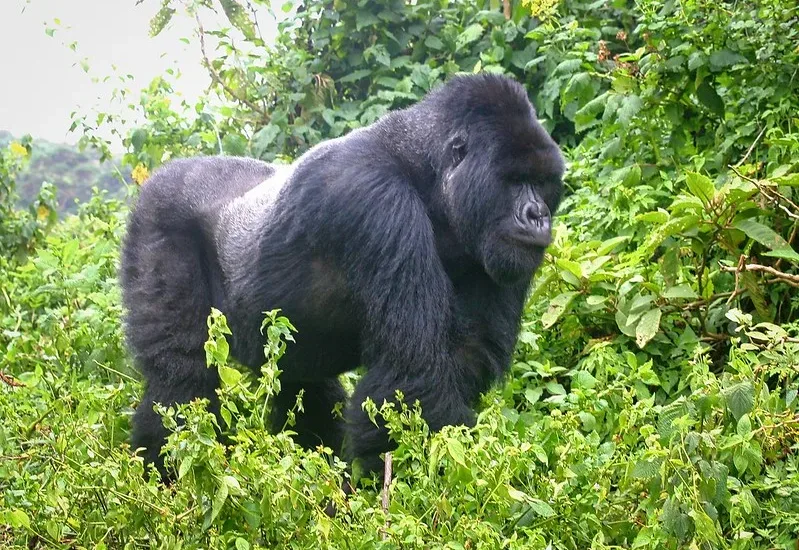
215	76
788	278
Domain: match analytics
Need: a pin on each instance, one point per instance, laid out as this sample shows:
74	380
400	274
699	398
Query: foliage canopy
653	402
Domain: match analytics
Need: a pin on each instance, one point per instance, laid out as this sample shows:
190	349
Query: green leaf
646	469
786	253
701	187
18	518
629	108
434	43
708	97
584	379
556	308
762	234
229	376
238	17
752	284
162	18
570	266
541	508
725	58
469	35
610	244
740	399
681	291
137	139
744	427
242	544
456	451
647	327
219	499
355	75
588	420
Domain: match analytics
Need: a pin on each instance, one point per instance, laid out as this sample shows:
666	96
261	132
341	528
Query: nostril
533	212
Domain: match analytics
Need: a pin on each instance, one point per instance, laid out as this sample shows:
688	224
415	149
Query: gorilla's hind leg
197	382
168	292
317	423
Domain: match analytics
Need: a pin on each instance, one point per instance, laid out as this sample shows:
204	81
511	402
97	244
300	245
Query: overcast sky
41	80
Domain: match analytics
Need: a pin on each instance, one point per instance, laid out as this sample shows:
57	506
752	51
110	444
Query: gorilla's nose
535	213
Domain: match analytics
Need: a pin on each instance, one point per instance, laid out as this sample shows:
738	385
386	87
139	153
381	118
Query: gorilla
406	247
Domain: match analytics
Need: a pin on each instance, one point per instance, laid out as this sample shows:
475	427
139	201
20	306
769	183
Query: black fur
406	247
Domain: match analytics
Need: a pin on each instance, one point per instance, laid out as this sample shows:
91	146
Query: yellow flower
42	212
18	149
140	174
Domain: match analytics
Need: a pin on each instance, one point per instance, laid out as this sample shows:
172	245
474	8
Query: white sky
41	79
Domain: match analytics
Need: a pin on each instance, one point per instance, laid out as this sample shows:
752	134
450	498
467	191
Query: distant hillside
72	171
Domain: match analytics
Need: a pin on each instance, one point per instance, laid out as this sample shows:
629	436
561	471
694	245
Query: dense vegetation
73	172
653	402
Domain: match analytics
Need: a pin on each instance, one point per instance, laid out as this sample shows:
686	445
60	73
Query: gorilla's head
500	174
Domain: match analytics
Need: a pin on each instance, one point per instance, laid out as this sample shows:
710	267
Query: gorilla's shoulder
188	188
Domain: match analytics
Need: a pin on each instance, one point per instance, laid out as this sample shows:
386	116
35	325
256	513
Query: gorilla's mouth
531	240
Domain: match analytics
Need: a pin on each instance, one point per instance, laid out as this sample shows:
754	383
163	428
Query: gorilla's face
502	187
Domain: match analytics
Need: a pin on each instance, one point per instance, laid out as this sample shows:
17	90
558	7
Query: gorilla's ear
455	151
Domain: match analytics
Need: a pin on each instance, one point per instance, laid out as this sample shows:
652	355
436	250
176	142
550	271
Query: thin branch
788	278
387	473
506	8
771	194
218	79
11	381
751	148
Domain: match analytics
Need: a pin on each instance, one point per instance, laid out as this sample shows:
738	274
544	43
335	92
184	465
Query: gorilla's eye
458	151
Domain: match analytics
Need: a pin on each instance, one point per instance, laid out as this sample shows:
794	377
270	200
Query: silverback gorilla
406	247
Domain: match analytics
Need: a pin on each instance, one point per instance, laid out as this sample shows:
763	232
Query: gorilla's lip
531	241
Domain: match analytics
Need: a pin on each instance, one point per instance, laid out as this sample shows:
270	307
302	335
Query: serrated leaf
646	469
740	399
744	426
667	416
629	108
586	117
